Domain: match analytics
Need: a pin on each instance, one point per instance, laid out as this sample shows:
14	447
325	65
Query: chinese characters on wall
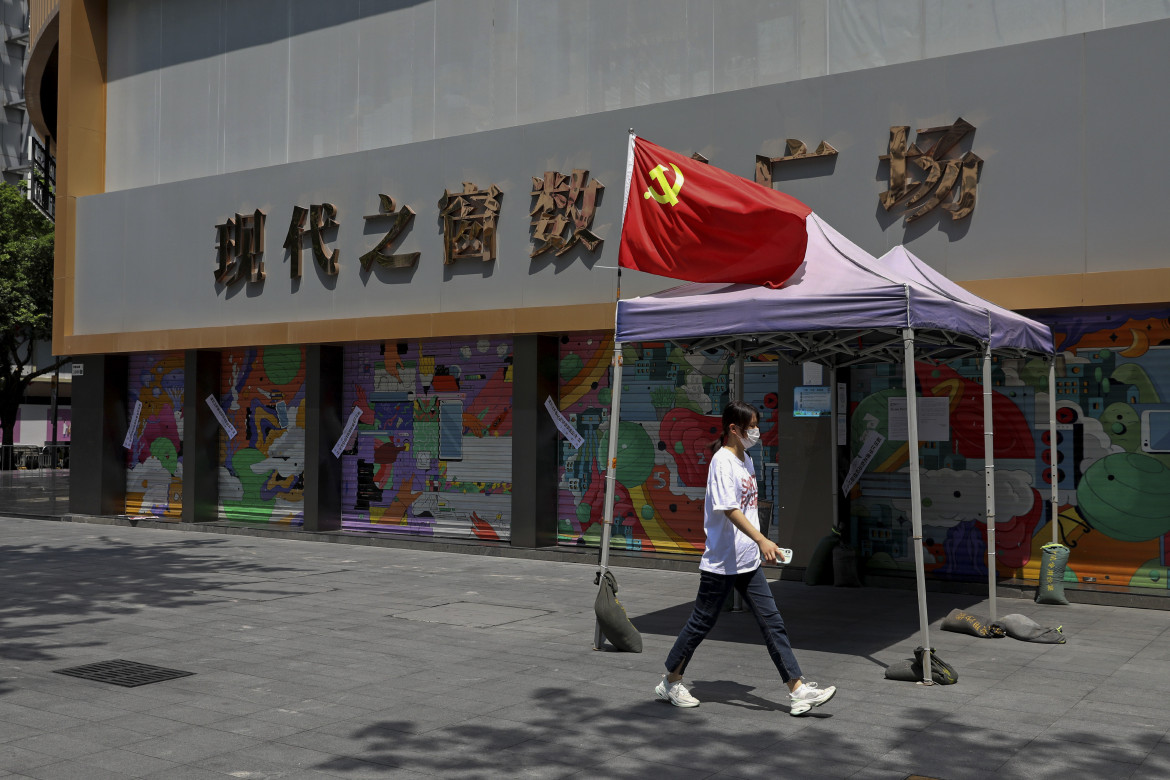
923	175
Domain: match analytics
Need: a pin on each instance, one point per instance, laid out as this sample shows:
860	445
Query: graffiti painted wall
1113	443
433	451
154	460
670	413
261	468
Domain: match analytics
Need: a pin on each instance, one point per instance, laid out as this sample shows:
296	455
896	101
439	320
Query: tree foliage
26	299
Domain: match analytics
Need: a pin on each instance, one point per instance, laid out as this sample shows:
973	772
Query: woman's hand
769	549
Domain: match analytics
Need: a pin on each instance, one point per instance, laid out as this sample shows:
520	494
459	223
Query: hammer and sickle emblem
669	194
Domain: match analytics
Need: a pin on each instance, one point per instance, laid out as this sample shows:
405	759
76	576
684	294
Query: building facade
330	265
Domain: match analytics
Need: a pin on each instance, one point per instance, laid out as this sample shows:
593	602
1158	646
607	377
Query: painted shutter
154	460
670	414
433	452
262	392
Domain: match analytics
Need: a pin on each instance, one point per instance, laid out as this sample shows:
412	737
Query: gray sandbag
820	570
1026	629
910	670
1054	559
612	618
845	573
966	623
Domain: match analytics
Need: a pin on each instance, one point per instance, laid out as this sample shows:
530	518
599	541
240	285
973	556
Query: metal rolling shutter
262	391
433	452
671	407
154	460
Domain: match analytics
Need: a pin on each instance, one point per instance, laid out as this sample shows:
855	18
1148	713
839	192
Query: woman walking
735	553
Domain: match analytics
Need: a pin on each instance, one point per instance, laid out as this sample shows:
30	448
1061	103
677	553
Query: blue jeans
713	590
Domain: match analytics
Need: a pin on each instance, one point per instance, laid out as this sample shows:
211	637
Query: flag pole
615	388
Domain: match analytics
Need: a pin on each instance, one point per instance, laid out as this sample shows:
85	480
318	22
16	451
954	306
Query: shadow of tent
849	621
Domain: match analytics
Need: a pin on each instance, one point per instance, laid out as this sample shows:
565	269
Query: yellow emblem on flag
669	194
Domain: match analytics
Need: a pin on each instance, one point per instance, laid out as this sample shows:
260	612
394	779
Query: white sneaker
675	693
807	696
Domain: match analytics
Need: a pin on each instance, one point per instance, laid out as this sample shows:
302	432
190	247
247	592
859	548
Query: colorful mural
670	410
261	469
433	451
154	460
1113	461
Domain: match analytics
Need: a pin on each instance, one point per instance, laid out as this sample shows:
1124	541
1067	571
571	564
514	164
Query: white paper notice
869	447
568	431
132	431
347	434
814	373
224	422
934	419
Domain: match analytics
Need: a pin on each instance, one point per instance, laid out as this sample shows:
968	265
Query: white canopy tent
842	307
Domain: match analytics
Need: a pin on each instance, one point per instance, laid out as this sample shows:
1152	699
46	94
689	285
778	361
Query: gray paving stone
127	763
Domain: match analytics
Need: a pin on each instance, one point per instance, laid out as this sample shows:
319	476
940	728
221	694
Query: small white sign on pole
224	422
347	434
934	419
570	433
132	431
812	373
869	447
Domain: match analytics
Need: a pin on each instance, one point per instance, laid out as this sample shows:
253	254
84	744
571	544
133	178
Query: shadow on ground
50	589
568	732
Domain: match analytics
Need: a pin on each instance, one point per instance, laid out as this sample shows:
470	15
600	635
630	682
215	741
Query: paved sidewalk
321	661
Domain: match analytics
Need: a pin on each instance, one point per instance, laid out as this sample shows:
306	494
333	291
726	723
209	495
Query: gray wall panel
323	79
365	74
255	85
189	88
1125	169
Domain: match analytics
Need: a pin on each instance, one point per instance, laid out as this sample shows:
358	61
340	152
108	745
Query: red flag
689	220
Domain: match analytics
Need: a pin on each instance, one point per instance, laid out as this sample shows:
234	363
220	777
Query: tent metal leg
834	480
610	479
916	498
989	476
1053	471
737	395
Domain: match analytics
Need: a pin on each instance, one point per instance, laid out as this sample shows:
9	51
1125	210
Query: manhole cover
128	674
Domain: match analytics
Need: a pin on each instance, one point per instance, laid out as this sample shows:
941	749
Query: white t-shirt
731	484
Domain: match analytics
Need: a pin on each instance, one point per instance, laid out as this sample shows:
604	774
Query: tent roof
1009	331
841	307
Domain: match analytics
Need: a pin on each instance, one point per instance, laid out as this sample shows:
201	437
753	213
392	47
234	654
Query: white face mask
750	438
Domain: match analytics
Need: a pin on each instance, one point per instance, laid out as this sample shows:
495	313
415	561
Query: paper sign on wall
811	401
934	419
812	373
224	422
869	447
347	434
570	433
132	431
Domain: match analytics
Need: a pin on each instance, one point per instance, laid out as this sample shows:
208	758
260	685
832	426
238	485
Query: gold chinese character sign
942	169
402	217
321	218
794	149
564	203
240	249
469	223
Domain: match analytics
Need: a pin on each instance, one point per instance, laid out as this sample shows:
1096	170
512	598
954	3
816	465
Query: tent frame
832	348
